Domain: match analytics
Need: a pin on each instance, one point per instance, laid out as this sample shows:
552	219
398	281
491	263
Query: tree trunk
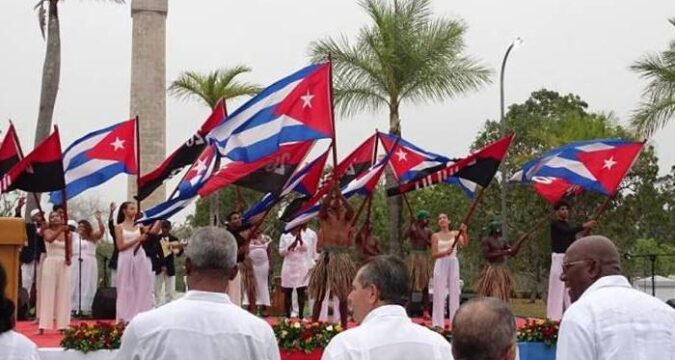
214	209
51	72
394	203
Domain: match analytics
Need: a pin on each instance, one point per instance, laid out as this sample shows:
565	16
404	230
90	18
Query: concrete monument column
148	87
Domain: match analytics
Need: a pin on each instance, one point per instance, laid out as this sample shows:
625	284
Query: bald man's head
484	329
587	260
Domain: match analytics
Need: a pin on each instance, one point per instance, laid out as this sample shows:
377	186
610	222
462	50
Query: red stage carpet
53	338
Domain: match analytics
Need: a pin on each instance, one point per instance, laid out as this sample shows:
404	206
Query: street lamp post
516	42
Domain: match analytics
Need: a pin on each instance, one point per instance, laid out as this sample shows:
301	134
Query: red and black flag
39	171
479	167
358	161
185	155
10	154
268	174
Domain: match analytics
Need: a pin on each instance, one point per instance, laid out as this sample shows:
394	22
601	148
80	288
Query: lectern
12	238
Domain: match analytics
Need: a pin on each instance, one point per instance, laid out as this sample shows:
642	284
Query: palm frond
213	86
652	116
658	106
405	54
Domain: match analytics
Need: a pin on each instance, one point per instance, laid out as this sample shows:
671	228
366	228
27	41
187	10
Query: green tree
210	88
405	55
658	106
547	120
50	27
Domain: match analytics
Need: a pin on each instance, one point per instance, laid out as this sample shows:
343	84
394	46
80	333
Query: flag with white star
295	108
97	157
593	165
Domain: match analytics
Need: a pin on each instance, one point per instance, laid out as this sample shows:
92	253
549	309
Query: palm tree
405	55
48	17
659	107
209	88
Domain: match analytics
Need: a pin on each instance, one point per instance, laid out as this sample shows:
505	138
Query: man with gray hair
379	292
204	324
484	329
608	319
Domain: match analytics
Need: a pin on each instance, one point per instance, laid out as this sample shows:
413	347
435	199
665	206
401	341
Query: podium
12	239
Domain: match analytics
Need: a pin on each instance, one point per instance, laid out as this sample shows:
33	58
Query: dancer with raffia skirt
495	278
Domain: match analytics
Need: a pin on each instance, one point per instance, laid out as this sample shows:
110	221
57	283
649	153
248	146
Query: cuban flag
364	185
295	108
410	162
594	165
97	157
187	189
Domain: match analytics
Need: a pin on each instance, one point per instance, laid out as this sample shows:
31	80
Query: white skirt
89	282
134	284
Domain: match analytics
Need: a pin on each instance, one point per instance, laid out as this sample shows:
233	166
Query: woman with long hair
446	269
86	273
259	253
55	284
134	269
13	346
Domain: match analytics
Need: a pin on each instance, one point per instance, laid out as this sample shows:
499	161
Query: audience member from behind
204	324
608	319
379	292
484	329
13	346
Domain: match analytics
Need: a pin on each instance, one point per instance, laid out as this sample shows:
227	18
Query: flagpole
358	213
469	215
601	209
69	242
332	114
137	139
18	148
518	244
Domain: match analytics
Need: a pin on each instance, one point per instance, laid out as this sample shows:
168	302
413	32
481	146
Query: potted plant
537	339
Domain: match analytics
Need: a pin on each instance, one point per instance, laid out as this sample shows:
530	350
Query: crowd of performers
317	267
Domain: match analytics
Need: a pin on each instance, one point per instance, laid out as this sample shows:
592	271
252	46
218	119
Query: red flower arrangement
545	331
294	335
99	336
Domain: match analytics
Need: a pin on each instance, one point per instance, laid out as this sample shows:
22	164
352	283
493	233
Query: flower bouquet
295	335
99	336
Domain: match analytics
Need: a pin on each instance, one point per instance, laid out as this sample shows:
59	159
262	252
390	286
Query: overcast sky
579	46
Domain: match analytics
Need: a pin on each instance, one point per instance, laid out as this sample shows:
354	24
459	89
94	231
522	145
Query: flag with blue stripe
295	108
97	157
187	189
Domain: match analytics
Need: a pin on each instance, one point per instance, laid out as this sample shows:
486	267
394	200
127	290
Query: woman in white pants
446	269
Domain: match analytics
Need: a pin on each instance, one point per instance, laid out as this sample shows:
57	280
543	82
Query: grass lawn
523	308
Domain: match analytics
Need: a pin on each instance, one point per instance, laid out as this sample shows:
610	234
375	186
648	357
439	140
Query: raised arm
98	233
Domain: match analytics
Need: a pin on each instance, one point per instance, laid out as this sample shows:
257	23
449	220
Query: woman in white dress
259	253
295	268
86	247
54	290
134	270
446	269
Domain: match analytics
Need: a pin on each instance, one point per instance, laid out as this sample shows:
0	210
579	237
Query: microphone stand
652	259
79	279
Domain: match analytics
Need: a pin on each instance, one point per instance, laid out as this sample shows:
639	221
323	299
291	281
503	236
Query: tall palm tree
50	27
405	55
658	108
209	88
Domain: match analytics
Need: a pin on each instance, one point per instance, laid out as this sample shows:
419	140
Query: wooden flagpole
69	243
469	215
332	115
137	139
519	243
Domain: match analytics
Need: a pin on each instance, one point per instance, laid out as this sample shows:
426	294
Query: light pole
516	42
